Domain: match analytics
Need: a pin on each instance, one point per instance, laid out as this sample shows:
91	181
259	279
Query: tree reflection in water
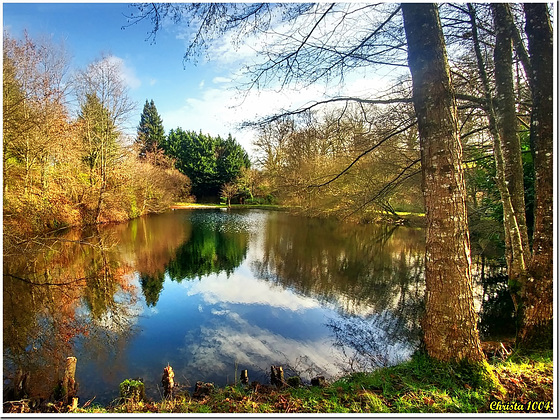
211	243
218	242
58	292
497	313
75	294
370	343
372	274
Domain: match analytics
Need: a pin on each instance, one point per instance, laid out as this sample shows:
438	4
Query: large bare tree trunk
537	293
450	322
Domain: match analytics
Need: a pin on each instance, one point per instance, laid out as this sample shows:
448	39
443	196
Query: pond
211	292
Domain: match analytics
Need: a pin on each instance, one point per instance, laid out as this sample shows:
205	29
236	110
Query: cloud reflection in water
255	324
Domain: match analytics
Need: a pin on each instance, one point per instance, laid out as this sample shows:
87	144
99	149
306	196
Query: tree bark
518	44
277	376
507	121
450	322
537	292
68	380
502	121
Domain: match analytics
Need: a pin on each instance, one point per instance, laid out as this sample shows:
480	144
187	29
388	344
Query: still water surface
211	292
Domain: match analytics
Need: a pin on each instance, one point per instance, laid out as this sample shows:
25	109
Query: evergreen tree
209	162
231	158
150	133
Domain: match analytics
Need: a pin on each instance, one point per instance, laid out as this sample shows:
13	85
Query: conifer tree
150	134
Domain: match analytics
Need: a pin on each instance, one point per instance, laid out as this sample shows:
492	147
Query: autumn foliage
62	170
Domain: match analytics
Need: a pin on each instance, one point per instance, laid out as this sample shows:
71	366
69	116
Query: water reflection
248	322
56	293
372	276
379	340
497	314
218	243
359	270
255	337
150	244
210	290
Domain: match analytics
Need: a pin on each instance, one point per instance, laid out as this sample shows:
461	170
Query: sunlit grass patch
527	378
195	205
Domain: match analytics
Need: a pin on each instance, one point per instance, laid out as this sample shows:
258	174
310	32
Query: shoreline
518	383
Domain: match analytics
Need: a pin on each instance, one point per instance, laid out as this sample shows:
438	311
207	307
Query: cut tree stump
277	376
69	380
167	381
21	383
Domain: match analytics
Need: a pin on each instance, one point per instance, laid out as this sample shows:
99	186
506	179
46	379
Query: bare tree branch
394	133
345	99
390	185
73	281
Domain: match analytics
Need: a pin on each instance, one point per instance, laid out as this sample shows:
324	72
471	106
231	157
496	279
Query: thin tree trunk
518	44
537	293
450	322
502	121
507	122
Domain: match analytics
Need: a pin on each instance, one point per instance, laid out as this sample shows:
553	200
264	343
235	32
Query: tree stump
202	389
244	377
319	381
21	382
277	376
294	381
167	381
68	380
132	390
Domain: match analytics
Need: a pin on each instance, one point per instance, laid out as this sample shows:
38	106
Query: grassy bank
518	384
179	205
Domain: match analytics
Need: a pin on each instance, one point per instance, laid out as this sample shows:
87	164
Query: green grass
410	213
184	204
420	385
234	206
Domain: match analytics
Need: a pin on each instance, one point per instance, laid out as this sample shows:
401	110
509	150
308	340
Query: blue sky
193	97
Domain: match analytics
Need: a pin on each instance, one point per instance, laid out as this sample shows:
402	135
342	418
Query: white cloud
248	290
127	72
217	109
219	80
230	337
220	110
